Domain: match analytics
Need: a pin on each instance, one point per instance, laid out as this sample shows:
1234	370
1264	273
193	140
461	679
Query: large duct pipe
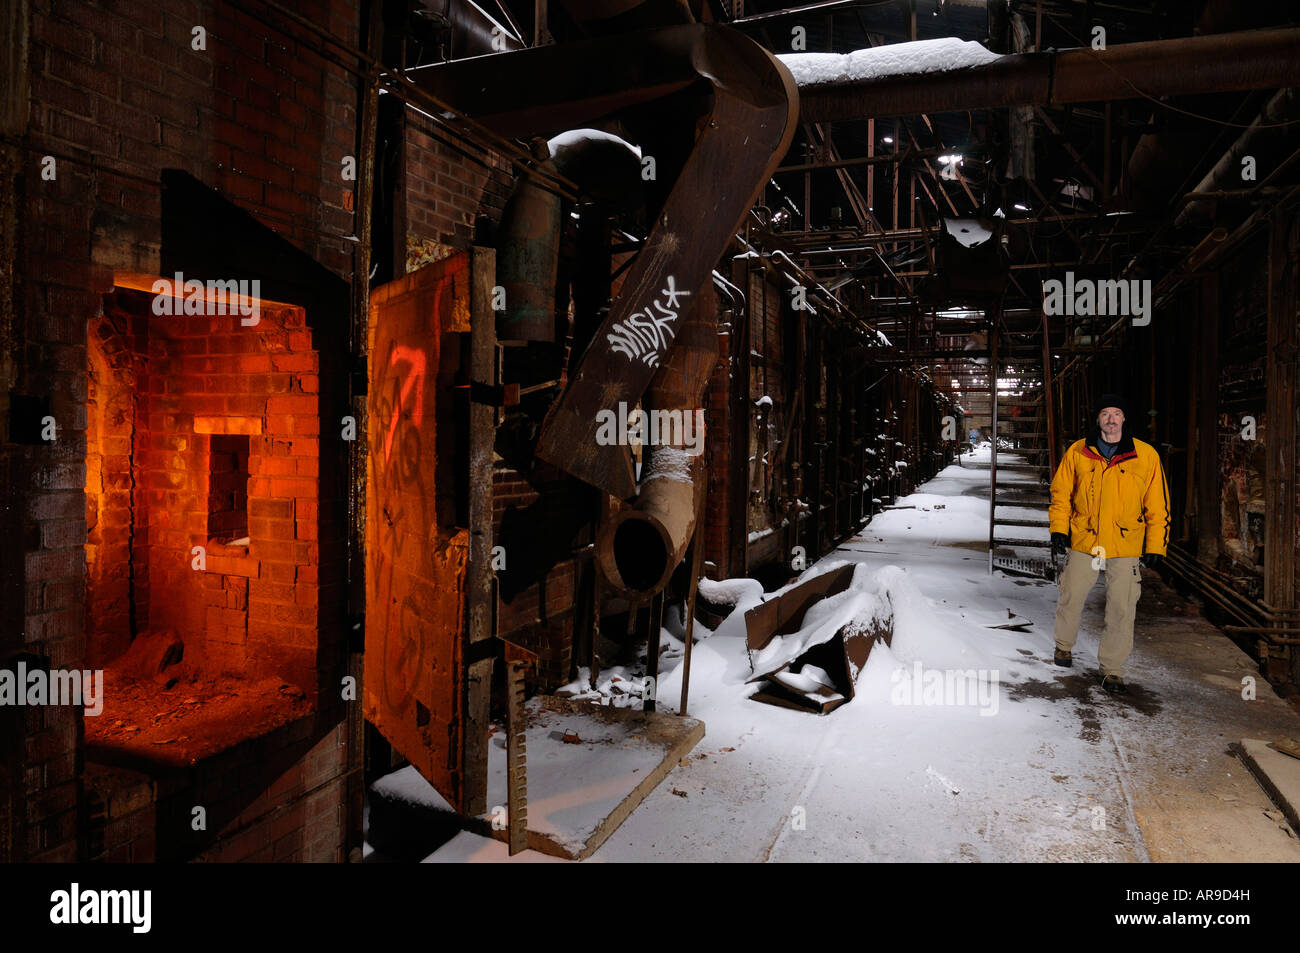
1147	183
605	168
1263	59
528	249
640	546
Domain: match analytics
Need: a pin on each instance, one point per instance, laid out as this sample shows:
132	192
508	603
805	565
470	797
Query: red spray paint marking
414	357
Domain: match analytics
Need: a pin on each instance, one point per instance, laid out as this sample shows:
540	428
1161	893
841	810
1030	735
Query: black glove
1060	544
1151	560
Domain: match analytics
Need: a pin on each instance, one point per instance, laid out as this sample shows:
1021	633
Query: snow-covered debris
730	592
862	602
878	62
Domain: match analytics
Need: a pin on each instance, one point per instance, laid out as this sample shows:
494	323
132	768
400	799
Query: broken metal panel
416	557
841	658
784	614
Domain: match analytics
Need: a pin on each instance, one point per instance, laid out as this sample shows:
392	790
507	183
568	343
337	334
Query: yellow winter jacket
1121	507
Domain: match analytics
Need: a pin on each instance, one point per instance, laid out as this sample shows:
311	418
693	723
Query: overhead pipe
1146	182
1260	59
604	167
528	254
1268	126
744	106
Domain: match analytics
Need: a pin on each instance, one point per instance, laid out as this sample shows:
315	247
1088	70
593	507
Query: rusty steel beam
1280	373
888	158
1258	59
861	207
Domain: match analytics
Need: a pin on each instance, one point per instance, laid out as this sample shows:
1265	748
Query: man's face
1111	422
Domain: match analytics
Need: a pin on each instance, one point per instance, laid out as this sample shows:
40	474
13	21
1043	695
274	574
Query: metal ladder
1030	431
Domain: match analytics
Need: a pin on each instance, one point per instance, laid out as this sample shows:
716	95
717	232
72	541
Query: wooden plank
675	735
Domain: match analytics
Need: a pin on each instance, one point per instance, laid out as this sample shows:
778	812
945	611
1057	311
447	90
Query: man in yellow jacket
1110	507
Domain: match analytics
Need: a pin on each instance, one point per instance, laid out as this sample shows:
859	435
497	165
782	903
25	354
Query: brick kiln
186	529
202	513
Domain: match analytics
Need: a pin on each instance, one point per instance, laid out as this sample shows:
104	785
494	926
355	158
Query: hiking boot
1113	684
1063	658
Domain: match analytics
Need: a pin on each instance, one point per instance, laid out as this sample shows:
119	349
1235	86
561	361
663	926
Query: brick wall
116	366
445	193
208	378
118	93
255	806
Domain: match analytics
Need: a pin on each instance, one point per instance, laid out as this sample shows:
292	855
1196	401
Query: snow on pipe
639	547
950	75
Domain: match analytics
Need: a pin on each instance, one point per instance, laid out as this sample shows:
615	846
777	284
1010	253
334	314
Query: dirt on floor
159	708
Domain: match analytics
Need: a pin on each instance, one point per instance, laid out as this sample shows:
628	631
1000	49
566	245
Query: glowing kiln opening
202	505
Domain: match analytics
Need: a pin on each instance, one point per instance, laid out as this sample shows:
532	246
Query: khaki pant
1123	587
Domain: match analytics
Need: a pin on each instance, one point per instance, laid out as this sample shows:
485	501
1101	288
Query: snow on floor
894	775
963	742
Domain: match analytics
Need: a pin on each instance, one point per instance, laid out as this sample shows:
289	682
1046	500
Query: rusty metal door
416	677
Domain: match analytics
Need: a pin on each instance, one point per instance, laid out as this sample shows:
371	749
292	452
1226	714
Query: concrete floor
1192	798
879	783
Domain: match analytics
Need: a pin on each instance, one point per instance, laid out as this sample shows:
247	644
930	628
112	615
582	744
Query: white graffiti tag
643	336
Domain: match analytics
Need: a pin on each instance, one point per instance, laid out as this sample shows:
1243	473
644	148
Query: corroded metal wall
416	556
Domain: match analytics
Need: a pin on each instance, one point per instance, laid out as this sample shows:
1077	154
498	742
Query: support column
1207	423
1280	437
